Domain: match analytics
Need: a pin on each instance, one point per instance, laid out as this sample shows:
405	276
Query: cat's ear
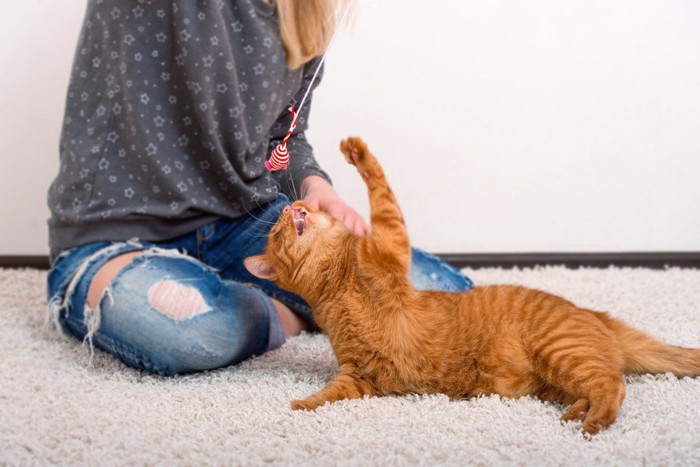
260	267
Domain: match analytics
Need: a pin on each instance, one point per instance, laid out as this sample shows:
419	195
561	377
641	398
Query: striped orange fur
392	339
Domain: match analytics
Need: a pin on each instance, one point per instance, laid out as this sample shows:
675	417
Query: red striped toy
279	159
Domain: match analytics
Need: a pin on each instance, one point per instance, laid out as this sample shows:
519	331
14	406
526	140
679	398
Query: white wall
504	126
37	42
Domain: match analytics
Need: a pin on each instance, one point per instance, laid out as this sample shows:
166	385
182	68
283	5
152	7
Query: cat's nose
286	209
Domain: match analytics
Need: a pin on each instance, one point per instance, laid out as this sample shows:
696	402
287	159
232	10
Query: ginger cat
392	339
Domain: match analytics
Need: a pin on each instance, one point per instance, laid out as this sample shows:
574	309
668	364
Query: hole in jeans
177	301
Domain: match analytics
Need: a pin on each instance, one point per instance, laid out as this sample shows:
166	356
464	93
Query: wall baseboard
26	261
654	260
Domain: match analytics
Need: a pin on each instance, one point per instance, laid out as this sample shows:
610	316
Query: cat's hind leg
597	387
577	407
577	411
580	357
605	396
344	386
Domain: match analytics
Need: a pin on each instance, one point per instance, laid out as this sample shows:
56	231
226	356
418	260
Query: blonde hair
306	27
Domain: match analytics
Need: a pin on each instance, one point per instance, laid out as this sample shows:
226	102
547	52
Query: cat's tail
645	354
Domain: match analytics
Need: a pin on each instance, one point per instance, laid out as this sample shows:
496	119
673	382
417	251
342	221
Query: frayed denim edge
91	317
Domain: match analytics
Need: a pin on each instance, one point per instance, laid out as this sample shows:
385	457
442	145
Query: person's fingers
366	227
313	203
338	211
359	224
349	220
345	214
360	227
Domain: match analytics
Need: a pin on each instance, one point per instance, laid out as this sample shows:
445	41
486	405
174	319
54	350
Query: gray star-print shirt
172	109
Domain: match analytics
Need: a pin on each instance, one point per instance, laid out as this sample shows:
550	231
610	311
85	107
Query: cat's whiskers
261	234
294	190
260	220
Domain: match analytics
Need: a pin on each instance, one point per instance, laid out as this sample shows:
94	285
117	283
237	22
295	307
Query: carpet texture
55	408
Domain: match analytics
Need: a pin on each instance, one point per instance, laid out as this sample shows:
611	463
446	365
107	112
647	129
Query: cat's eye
276	237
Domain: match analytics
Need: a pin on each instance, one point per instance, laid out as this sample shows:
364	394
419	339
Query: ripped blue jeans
189	304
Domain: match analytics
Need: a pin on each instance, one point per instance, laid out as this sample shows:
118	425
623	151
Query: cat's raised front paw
354	150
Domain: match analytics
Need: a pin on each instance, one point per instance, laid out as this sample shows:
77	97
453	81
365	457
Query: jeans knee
215	344
429	272
178	316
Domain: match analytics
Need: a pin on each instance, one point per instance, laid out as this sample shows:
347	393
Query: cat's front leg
342	387
389	238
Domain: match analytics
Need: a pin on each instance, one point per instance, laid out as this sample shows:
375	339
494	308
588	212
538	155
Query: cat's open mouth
299	215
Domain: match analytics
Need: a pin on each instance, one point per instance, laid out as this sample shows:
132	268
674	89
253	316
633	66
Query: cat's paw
577	411
306	404
593	427
354	150
357	154
594	424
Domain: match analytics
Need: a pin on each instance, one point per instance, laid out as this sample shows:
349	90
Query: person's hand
319	194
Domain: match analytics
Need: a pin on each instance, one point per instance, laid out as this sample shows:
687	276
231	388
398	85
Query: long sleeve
169	115
302	162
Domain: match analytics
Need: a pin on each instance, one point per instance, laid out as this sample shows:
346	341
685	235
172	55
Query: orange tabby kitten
392	339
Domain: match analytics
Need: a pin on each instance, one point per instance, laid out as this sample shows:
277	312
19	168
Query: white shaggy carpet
56	409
